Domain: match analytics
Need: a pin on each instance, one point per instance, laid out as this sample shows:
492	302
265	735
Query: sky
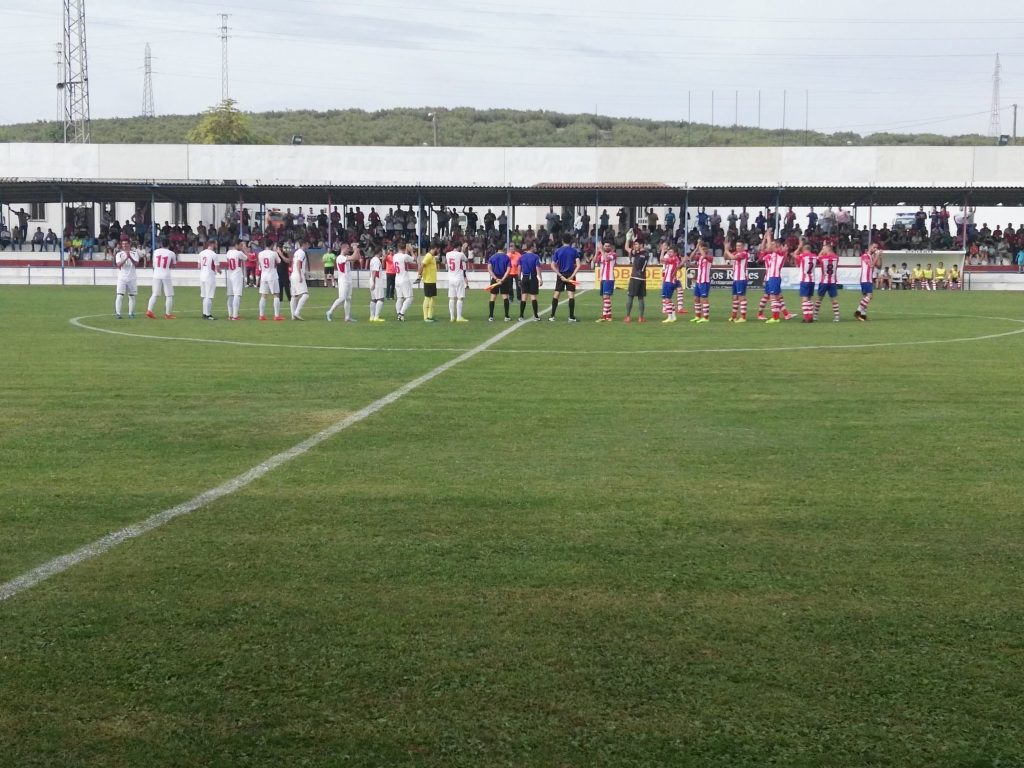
866	66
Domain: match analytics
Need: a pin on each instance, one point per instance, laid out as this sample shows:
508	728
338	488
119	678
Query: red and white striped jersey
828	268
704	267
867	266
739	265
806	262
669	267
773	261
606	266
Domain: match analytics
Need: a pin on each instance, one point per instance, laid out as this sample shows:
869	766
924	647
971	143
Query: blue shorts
607	287
701	290
830	288
739	287
773	286
668	290
806	290
866	288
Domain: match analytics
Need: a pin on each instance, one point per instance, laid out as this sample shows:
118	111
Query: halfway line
100	546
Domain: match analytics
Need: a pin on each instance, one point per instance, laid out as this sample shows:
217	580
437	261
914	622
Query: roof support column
63	226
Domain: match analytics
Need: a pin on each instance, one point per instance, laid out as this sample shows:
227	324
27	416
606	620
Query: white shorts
162	285
235	284
379	290
208	287
299	287
457	290
345	289
403	289
269	283
131	287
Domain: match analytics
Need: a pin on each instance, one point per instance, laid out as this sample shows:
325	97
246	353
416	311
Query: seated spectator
38	238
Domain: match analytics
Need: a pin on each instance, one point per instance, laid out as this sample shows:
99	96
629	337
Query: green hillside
472	127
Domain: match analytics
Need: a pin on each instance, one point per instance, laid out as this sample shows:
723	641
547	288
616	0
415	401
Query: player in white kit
234	266
300	291
457	262
405	265
344	264
209	268
163	261
378	288
126	261
267	261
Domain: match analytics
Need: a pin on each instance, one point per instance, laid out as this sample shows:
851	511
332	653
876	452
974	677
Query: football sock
863	306
776	306
554	306
277	307
522	308
735	308
207	306
458	307
506	306
606	307
536	309
762	304
572	308
169	305
743	308
490	308
451	309
118	300
263	305
835	310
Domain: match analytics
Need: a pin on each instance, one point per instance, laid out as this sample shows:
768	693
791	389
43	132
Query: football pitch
535	544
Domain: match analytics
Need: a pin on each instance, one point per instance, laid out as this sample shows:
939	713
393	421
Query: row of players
520	277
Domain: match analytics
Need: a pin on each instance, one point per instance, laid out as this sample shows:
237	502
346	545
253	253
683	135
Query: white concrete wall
696	166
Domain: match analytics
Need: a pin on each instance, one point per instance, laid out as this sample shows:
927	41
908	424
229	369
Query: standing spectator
443	218
22	223
670	221
652	220
812	222
471	219
489	219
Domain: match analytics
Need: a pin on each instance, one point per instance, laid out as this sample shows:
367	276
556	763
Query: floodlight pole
152	223
508	229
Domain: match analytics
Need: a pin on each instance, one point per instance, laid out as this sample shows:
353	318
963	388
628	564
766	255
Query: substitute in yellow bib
918	276
954	278
929	278
940	276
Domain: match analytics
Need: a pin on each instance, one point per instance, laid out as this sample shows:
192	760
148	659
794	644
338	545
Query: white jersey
402	262
125	261
299	266
457	263
208	263
163	260
343	266
267	261
234	265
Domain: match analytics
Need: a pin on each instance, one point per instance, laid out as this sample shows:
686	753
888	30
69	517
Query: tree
225	124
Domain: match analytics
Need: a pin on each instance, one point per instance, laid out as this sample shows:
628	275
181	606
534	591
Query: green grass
684	556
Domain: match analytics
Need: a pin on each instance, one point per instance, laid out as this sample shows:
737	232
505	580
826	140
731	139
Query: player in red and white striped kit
828	272
870	260
604	264
807	263
702	284
670	262
774	257
769	247
739	259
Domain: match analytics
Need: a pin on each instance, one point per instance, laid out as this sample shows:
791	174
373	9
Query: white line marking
77	322
100	546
